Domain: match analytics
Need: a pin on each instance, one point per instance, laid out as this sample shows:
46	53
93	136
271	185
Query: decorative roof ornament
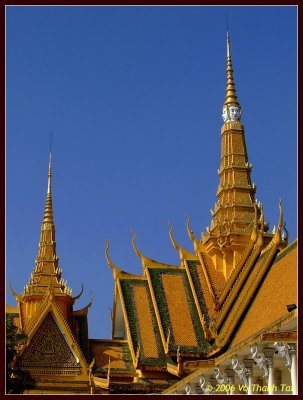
189	231
91	298
231	108
174	243
280	215
136	250
277	232
183	253
80	294
112	266
16	295
191	235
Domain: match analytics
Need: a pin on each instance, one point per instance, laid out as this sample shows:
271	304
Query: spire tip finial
50	166
231	107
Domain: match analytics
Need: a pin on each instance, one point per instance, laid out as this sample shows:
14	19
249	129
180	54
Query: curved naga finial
109	261
281	215
80	294
90	300
174	243
278	236
136	250
12	290
189	231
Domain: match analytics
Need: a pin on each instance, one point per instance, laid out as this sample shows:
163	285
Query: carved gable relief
48	350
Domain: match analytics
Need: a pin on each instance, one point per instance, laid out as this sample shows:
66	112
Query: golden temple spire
235	215
47	272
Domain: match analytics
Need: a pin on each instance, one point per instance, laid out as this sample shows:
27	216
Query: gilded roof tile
178	312
143	323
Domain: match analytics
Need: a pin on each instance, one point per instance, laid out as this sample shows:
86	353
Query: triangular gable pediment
48	350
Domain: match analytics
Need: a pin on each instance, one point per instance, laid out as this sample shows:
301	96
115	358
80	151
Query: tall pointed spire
230	94
234	211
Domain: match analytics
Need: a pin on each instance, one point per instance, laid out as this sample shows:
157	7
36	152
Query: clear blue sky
133	96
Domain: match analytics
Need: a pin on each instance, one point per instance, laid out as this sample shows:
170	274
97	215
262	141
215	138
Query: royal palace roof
236	282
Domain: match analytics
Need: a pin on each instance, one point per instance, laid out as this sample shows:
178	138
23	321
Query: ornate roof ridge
66	324
146	261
